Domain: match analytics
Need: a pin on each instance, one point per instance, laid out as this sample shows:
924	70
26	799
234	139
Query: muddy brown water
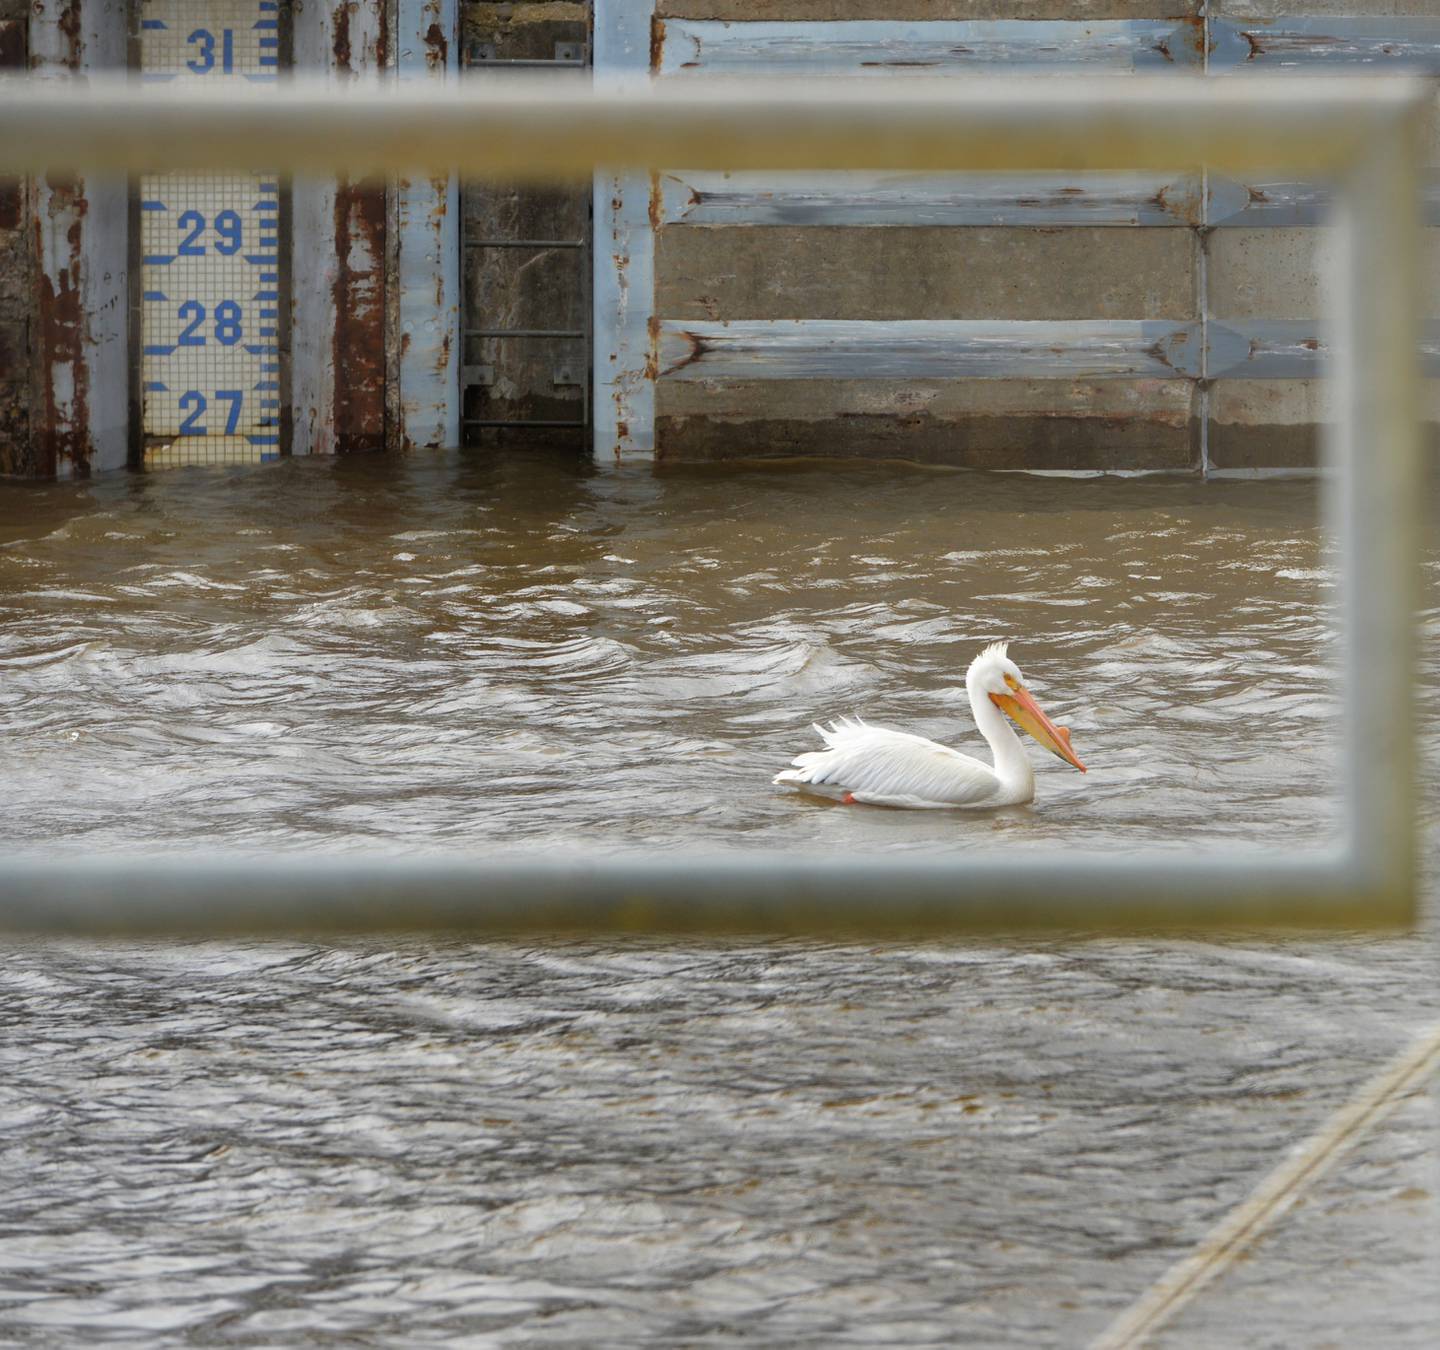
566	1142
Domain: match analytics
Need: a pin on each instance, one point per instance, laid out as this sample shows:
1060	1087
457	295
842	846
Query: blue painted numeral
194	222
228	226
227	323
206	58
195	401
195	312
235	397
230	229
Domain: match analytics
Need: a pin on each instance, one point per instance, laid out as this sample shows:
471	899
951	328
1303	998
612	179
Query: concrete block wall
1281	274
1182	271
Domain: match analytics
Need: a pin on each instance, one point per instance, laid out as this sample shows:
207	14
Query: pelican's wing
890	768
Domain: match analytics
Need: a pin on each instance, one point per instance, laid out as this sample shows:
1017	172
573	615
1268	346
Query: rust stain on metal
657	206
71	28
382	38
1192	28
341	45
358	293
652	354
698	349
437	49
63	430
657	42
1187	206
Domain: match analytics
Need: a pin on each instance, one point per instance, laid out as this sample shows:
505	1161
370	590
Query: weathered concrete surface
1289	9
1282	274
525	288
15	281
1278	424
990	424
797	11
928	273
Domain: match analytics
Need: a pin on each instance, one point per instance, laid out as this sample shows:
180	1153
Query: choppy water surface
460	655
788	1143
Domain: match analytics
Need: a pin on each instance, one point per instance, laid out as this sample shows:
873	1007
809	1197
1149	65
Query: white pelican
879	767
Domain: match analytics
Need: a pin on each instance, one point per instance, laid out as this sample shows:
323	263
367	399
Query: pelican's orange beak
1026	712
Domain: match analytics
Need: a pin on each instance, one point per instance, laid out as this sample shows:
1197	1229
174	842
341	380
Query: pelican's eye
1012	682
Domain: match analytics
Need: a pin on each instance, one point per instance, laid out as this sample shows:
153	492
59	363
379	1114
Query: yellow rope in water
1405	1075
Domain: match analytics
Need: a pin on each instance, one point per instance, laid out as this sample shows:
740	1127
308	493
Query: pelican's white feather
890	768
880	767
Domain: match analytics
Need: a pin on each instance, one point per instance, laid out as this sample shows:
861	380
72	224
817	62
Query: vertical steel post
1375	455
80	404
337	348
428	222
624	257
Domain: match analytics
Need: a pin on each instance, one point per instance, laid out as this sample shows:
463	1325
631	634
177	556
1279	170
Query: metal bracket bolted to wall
566	54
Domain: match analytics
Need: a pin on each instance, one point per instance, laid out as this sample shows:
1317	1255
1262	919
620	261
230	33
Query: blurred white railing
1365	134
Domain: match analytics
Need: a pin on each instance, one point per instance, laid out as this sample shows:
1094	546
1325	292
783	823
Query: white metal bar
544	128
1238	125
1375	448
719	893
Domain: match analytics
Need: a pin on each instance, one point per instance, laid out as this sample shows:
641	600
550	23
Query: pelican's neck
1012	765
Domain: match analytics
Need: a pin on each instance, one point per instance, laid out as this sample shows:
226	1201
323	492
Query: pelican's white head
995	676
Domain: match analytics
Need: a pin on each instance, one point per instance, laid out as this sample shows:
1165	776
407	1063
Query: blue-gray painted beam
1275	203
1392	43
623	295
846	349
427	212
1286	349
933	47
1020	199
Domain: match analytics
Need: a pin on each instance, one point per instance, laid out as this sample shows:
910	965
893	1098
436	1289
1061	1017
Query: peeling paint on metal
806	349
427	215
890	47
861	199
1391	42
625	206
80	405
1282	203
358	297
1287	349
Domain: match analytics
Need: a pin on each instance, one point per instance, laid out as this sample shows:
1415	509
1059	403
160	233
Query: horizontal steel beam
1393	42
1286	349
1034	199
1019	199
555	127
1279	203
1001	349
859	349
890	47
